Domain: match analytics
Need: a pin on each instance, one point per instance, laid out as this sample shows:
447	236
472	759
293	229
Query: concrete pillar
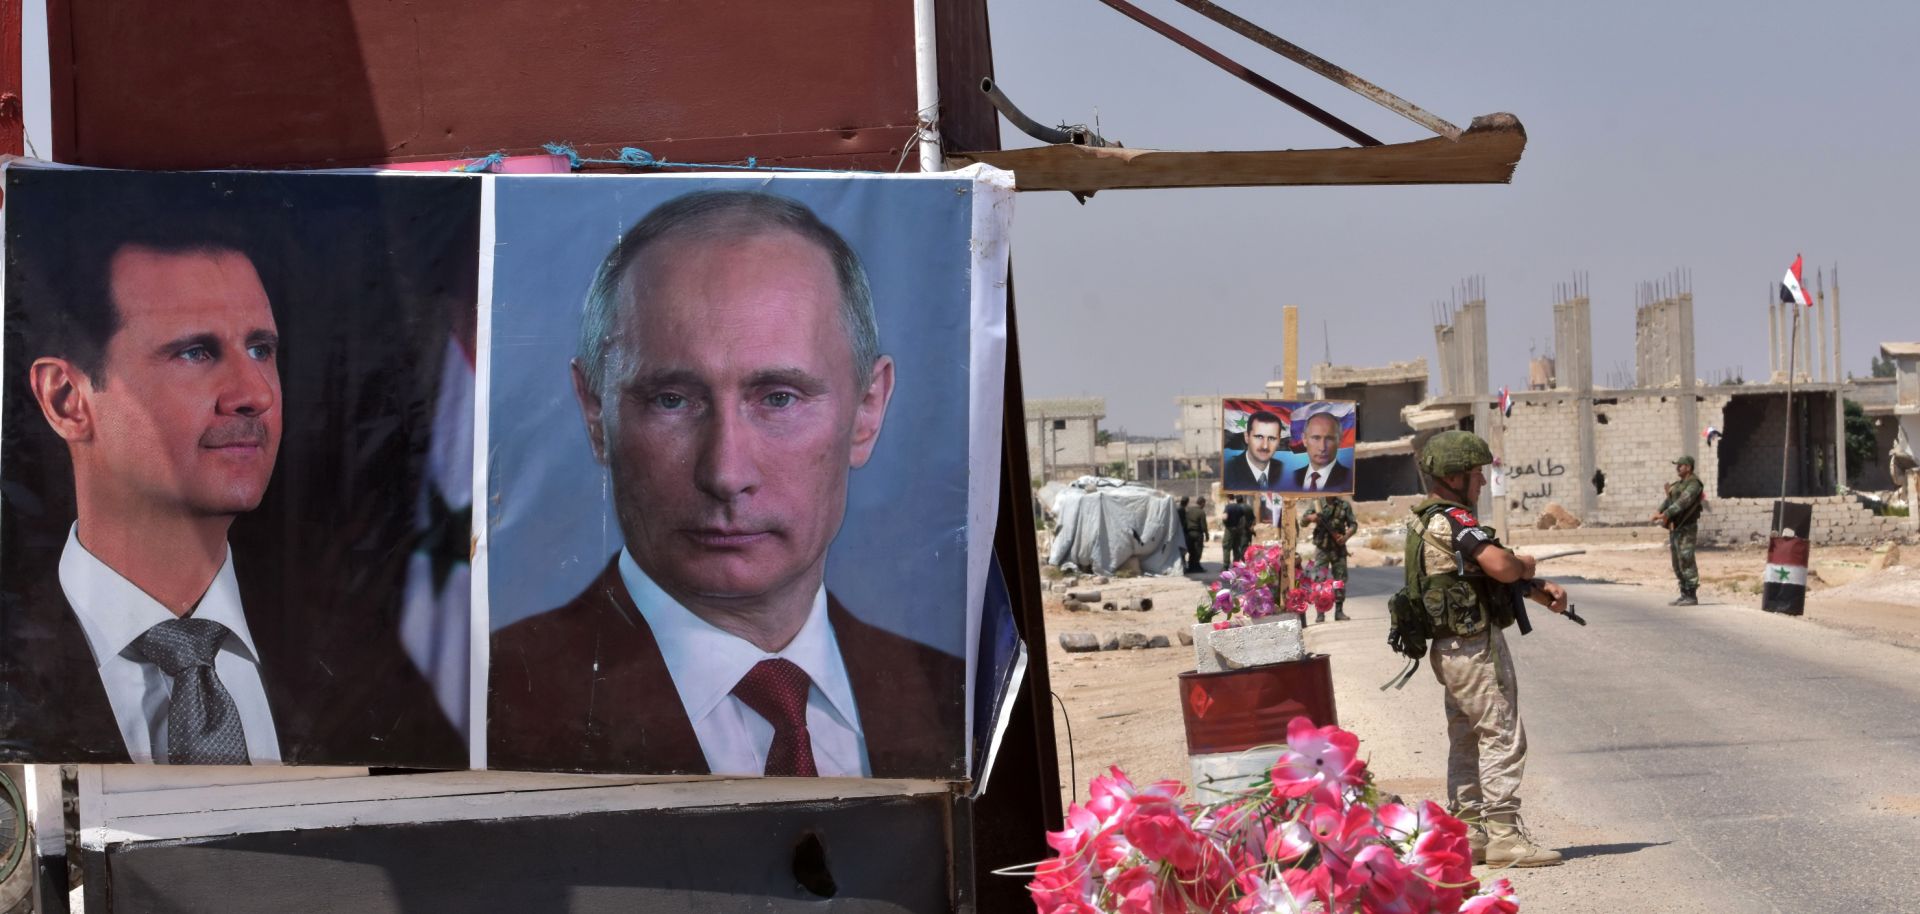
1839	372
1773	339
1443	357
1820	306
1582	320
1840	444
1682	342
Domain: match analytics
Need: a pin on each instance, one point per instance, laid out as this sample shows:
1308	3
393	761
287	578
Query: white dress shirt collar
706	662
1259	475
113	611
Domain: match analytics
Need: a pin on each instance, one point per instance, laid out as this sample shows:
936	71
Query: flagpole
1786	437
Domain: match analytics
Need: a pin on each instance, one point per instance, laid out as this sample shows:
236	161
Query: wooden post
1290	376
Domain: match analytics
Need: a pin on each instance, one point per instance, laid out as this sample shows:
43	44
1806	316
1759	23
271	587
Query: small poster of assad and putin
663	474
1302	447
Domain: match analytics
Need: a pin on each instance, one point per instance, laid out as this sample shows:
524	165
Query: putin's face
1322	439
1263	438
730	415
185	419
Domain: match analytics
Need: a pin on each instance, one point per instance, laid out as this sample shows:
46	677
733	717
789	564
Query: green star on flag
1781	573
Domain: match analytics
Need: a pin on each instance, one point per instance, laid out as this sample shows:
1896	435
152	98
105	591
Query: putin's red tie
777	690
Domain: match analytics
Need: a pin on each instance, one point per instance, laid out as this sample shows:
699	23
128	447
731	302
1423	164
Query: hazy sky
1722	137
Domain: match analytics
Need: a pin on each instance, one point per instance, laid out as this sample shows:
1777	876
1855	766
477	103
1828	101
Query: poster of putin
1292	447
745	441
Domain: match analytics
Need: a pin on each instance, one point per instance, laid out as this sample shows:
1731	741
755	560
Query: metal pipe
1324	67
1251	78
1019	118
926	71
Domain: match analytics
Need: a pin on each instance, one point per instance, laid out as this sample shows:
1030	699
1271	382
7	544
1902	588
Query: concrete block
1110	643
1133	641
1223	776
1159	641
1276	641
1084	596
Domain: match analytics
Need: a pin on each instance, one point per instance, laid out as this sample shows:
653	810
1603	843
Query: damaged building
1605	455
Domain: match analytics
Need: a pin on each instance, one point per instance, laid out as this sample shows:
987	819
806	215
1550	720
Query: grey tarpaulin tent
1104	523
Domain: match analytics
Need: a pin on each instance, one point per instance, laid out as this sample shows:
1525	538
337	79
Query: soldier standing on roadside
1238	532
1332	520
1195	518
1680	514
1456	574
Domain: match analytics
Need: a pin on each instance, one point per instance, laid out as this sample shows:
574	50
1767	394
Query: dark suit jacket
333	703
1339	479
584	688
1238	477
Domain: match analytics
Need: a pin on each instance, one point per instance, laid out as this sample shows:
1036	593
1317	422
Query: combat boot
1339	615
1509	845
1320	616
1477	842
1686	599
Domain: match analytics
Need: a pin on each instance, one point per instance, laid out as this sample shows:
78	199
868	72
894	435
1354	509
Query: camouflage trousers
1335	561
1486	744
1680	542
1234	545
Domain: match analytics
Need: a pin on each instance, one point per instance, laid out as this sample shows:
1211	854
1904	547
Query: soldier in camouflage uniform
1332	520
1462	579
1194	518
1680	514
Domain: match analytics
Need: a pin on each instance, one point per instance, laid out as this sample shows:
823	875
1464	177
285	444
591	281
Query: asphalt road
1713	758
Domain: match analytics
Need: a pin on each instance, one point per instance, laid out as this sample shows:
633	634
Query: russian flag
1784	587
1792	290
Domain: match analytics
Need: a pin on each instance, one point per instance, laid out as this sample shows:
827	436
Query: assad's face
1323	439
731	415
1263	438
188	417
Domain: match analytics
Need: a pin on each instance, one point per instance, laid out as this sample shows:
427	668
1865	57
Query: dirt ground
1122	706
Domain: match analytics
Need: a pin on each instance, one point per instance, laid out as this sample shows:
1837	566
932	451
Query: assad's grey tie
203	725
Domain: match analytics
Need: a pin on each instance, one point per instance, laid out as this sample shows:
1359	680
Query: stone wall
1636	438
1836	519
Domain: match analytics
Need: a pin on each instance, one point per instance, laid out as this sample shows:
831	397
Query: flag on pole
1506	404
1792	290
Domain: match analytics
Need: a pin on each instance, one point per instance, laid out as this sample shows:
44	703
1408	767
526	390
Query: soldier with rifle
1680	514
1462	588
1332	520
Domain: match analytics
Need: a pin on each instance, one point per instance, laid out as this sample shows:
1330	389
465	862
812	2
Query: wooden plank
1486	153
443	796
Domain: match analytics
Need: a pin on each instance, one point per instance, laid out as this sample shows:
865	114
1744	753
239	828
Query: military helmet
1684	460
1454	452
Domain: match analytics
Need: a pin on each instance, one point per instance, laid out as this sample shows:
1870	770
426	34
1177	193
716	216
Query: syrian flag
1506	404
1784	587
1792	290
1711	434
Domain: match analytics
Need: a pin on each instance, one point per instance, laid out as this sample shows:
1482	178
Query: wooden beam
1486	153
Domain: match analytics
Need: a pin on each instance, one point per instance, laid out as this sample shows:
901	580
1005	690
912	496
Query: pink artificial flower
1061	888
1380	876
1341	833
1159	828
1222	625
1271	898
1134	890
1288	842
1322	759
1498	898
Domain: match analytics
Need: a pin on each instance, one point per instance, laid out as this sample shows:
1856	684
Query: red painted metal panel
1239	709
12	129
159	84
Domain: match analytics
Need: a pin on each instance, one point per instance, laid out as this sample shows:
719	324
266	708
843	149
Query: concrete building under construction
1605	454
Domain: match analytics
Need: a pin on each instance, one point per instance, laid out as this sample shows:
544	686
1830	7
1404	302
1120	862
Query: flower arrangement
1247	590
1314	836
1316	586
1250	589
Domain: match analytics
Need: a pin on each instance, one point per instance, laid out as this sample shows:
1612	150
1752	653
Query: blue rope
483	164
640	158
